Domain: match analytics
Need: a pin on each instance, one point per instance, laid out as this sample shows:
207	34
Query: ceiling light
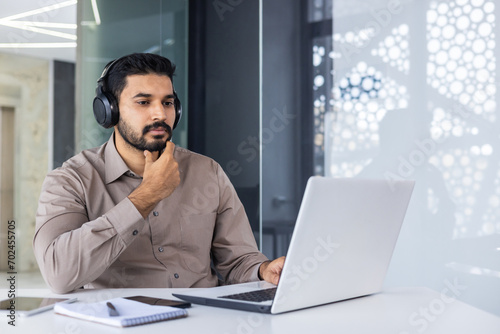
37	45
48	24
40	27
97	17
15	24
40	10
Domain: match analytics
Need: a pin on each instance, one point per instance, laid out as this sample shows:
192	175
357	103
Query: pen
112	310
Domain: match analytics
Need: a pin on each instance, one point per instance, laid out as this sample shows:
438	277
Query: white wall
24	83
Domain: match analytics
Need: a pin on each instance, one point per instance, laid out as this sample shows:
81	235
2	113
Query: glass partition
111	29
296	85
281	115
225	89
415	97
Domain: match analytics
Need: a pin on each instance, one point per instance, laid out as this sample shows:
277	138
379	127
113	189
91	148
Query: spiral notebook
131	313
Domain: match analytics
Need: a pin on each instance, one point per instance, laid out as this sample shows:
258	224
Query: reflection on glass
408	107
461	66
394	49
461	62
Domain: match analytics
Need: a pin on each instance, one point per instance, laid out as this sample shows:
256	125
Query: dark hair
136	63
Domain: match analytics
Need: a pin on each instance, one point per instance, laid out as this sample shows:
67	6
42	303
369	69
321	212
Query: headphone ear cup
178	110
105	111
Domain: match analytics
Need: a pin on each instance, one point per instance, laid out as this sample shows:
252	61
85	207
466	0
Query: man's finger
148	156
169	149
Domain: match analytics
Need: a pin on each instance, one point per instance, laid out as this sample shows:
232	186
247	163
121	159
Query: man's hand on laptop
270	271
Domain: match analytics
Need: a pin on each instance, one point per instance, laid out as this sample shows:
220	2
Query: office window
414	96
461	66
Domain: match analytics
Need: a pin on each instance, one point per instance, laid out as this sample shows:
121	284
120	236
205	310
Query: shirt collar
114	165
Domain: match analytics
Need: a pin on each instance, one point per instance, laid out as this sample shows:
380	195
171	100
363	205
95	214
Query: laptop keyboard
254	296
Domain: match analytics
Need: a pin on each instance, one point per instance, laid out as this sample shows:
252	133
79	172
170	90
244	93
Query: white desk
398	311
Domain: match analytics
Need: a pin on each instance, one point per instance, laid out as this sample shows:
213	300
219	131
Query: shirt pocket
196	241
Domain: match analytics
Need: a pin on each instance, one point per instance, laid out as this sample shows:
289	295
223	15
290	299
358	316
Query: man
139	211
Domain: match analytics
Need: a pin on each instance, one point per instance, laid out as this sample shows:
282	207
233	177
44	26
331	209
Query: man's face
147	112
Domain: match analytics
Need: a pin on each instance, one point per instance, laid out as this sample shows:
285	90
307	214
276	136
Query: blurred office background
277	91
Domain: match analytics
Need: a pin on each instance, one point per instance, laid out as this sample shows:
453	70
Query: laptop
341	247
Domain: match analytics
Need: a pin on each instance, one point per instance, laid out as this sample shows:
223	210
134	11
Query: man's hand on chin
270	271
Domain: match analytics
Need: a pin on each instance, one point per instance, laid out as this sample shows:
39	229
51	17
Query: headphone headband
105	107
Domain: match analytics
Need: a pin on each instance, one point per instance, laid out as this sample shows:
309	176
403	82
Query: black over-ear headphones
105	107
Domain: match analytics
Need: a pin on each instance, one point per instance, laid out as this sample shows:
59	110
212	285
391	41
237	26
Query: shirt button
160	249
155	213
176	275
135	232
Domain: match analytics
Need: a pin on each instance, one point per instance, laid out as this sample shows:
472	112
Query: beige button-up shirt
89	234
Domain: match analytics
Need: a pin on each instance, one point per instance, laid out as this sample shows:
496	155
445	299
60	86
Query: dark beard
140	143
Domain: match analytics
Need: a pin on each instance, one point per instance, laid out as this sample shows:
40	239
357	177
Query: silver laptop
341	247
